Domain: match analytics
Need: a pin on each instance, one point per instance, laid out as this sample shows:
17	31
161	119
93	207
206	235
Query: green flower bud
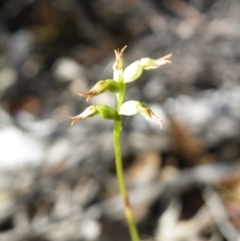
133	107
112	86
106	112
100	87
132	72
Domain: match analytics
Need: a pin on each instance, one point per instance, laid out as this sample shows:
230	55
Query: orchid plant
117	85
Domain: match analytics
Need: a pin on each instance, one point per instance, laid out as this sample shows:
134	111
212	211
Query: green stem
122	186
120	174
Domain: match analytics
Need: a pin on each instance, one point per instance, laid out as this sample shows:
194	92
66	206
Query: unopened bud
112	85
118	64
106	112
133	107
100	87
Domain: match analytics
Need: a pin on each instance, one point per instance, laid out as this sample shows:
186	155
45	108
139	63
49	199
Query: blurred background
58	183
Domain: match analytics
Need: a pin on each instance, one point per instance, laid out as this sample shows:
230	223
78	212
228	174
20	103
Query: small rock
7	79
59	151
19	149
66	70
20	46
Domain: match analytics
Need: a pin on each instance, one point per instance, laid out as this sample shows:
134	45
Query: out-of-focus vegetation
58	182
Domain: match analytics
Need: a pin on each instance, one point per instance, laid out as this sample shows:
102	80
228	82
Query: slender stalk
122	186
118	76
119	168
121	77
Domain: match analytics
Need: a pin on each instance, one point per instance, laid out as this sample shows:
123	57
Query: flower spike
117	85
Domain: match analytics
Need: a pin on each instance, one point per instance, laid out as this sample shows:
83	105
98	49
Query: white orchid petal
129	108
